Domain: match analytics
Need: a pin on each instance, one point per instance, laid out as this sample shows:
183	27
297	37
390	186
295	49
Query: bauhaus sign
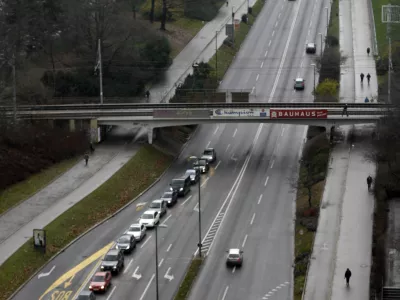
298	113
241	112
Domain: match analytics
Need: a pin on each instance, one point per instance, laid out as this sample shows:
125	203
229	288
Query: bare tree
152	11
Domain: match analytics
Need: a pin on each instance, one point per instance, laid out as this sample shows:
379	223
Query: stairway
391	293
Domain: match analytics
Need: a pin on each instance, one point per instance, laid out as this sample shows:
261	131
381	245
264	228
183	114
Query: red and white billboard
298	113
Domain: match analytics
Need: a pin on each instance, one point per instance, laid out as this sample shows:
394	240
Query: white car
137	230
160	206
150	218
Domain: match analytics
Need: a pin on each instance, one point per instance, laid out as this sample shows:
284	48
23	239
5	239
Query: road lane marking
266	53
85	282
169	247
147	287
227	147
259	199
301	64
127	267
262	64
233	269
283	131
279	15
273	33
163	223
208	144
269	44
252	219
272	165
252	90
204	182
145	242
258	76
234	133
169	276
216	129
244	241
276	24
284	53
160	263
47	273
224	295
196	207
188	198
112	291
217	165
82	265
266	181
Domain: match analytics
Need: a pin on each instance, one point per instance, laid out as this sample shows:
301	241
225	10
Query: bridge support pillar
150	131
329	132
93	132
72	126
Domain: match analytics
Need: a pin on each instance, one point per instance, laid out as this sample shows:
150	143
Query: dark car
181	185
201	165
170	197
113	261
126	243
86	295
101	281
194	175
299	84
311	48
210	155
234	258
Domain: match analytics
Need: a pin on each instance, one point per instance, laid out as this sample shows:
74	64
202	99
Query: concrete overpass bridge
153	116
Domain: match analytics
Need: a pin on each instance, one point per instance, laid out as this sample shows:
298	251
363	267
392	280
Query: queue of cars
114	261
299	83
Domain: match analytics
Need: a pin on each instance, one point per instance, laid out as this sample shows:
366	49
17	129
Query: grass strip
21	191
133	178
189	279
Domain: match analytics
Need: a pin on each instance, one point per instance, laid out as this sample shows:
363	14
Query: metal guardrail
246	105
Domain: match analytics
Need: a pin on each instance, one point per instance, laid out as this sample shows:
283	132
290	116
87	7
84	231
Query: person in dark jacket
347	275
86	158
369	181
345	110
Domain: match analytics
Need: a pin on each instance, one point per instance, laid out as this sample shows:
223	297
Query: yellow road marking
69	282
87	279
61	295
71	273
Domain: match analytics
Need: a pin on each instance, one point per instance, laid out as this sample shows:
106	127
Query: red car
101	281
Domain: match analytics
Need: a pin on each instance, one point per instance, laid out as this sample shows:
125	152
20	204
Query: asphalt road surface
247	196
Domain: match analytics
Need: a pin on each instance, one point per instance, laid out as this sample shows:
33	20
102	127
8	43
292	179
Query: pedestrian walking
362	77
368	77
369	182
227	3
345	110
347	275
86	159
147	94
368	51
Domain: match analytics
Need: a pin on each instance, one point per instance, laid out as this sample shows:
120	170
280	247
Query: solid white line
283	131
234	133
266	53
216	129
112	291
147	287
266	181
169	247
284	53
269	44
273	33
216	167
227	147
145	242
163	223
272	165
258	76
160	263
208	144
204	182
224	295
127	267
259	199
262	64
252	219
183	203
244	241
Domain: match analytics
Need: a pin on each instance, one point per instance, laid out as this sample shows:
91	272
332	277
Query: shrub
204	10
332	41
329	87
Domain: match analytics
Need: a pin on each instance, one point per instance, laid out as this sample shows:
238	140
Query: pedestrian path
344	235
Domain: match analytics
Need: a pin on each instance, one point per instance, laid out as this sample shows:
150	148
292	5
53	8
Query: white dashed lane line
183	203
258	76
252	219
266	181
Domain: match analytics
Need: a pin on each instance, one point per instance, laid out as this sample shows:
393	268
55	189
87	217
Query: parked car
299	84
234	258
170	197
113	261
181	185
201	165
150	218
126	243
160	206
101	281
194	175
311	48
209	155
138	231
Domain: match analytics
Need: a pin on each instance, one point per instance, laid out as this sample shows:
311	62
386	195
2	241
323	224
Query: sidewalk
344	235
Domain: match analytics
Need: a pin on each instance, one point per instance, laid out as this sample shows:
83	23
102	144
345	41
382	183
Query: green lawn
24	189
189	279
334	28
134	177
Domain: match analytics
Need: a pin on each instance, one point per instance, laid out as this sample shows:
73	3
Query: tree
152	11
164	14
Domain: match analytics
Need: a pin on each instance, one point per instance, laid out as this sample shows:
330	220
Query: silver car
137	230
159	205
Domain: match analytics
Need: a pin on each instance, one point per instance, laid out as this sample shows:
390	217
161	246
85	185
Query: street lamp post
321	43
314	80
199	245
156	232
327	19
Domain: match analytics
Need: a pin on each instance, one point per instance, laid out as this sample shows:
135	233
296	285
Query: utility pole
199	245
216	55
14	89
99	65
390	56
233	25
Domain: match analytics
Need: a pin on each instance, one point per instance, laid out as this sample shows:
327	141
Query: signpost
237	112
299	113
39	239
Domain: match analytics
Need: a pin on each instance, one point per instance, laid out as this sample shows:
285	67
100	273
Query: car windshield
208	152
124	239
155	205
134	228
234	256
201	162
147	216
190	172
98	278
299	80
167	195
177	183
110	257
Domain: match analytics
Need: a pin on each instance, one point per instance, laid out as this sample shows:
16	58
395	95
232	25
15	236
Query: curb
184	146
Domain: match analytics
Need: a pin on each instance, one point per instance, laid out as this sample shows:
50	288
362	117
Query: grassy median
137	174
189	279
21	191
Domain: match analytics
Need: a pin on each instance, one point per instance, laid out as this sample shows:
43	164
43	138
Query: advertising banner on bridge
239	112
181	113
298	113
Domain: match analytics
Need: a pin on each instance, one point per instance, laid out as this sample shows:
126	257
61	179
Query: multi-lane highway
247	195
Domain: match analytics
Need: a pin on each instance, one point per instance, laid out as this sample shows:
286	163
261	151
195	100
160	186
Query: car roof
311	44
209	149
157	201
299	79
135	225
190	170
149	212
234	251
100	274
125	234
112	252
